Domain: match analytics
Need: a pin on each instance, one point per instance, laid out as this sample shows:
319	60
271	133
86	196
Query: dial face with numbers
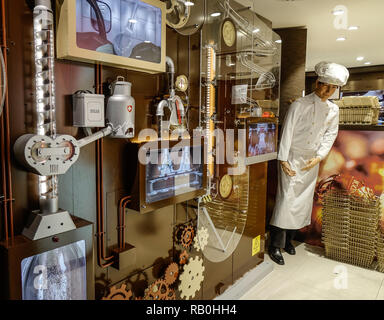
226	185
229	33
182	83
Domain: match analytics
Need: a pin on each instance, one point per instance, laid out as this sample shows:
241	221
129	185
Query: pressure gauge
226	186
229	33
182	83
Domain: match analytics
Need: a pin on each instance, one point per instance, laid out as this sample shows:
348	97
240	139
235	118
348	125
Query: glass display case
240	89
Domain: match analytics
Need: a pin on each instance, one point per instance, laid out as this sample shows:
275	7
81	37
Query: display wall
152	234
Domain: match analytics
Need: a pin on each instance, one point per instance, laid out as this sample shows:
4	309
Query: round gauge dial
226	186
182	83
229	33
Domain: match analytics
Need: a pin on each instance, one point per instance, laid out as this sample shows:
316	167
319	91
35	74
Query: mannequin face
324	90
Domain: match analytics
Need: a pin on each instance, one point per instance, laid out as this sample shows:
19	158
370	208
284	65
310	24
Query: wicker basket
350	228
359	110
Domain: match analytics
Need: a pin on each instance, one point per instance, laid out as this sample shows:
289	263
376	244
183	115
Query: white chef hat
332	73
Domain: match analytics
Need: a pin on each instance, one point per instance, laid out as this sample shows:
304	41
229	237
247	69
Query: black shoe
276	255
290	249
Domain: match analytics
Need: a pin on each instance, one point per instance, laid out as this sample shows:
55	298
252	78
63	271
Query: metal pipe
95	136
99	190
160	108
6	144
171	70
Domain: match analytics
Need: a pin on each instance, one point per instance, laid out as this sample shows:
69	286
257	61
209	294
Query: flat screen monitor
173	172
59	274
261	141
126	28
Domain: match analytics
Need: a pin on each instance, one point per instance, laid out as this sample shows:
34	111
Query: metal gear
171	295
171	273
187	237
119	294
158	290
183	257
191	278
201	239
177	234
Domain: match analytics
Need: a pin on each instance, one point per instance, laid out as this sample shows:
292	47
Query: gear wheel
201	239
187	237
119	294
171	295
191	278
171	273
183	257
158	290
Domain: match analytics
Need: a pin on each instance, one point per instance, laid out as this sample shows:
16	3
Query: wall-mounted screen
126	28
174	172
59	274
261	141
122	33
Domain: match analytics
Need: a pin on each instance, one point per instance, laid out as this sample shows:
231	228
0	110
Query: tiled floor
310	276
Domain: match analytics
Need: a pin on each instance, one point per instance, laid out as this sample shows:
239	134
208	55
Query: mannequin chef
309	131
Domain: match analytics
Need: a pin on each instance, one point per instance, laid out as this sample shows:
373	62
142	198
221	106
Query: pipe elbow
170	64
160	108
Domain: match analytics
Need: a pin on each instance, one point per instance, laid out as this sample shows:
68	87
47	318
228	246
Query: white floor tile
309	275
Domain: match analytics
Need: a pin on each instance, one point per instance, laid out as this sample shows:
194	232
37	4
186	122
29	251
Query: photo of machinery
127	28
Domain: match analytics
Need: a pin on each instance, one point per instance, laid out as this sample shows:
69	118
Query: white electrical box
88	110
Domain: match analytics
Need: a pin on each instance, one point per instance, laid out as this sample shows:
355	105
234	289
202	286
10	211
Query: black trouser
280	237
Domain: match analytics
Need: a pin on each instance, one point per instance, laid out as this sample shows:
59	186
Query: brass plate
226	185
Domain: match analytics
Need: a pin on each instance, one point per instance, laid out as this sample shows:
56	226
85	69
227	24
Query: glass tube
45	89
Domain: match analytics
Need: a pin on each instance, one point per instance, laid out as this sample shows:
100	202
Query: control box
88	110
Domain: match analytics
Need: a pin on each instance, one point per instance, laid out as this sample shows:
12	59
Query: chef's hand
287	169
311	163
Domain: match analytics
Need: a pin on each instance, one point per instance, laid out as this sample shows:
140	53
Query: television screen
173	172
126	28
261	142
59	274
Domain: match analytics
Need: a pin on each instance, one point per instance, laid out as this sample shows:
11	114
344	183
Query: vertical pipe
6	145
99	189
44	46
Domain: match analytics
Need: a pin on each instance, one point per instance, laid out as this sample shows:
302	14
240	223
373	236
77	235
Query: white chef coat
310	129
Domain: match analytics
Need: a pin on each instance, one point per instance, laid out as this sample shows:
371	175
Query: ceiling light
189	3
367	63
147	41
132	20
353	28
341	39
215	14
256	30
360	58
279	41
338	12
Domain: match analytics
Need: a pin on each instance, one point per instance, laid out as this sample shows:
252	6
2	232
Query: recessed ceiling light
360	58
341	39
367	63
256	30
279	41
189	3
147	41
353	28
132	20
215	14
338	12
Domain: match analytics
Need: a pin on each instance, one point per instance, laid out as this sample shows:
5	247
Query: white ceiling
317	17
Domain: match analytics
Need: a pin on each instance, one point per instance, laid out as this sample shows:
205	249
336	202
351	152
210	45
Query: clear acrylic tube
44	45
